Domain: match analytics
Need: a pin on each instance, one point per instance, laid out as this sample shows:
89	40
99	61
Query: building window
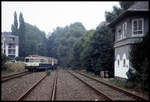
14	51
138	27
119	35
124	30
12	38
11	46
4	51
11	52
4	45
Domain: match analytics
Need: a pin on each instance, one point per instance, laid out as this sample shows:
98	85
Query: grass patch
121	83
117	82
12	67
48	72
88	73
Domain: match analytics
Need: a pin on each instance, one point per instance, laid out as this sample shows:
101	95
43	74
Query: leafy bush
14	67
48	72
4	60
96	53
140	60
19	58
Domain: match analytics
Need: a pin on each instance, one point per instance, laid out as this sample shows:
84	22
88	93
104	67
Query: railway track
54	89
108	91
117	88
53	94
9	77
25	94
101	96
90	86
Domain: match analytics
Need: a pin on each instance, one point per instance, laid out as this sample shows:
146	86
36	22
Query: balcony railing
11	54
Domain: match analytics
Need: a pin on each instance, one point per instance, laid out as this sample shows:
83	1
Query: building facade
10	45
129	28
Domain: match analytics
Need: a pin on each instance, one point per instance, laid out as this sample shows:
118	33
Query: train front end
31	64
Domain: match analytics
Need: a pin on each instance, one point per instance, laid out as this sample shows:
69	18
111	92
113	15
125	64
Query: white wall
17	51
120	70
6	50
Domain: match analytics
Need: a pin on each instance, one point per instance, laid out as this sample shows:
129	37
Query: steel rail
116	88
6	78
53	95
30	89
97	91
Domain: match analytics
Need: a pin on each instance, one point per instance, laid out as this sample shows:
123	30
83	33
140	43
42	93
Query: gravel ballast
14	88
70	88
114	94
43	90
144	95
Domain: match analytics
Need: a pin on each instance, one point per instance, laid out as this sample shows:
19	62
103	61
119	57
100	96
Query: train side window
32	60
41	60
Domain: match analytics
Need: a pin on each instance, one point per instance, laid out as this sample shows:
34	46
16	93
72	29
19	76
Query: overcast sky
48	15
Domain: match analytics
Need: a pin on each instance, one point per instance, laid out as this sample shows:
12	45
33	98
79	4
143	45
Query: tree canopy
62	41
126	4
14	26
117	11
31	39
140	60
94	52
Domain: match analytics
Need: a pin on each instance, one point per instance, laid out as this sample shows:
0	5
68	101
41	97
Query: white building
129	28
10	44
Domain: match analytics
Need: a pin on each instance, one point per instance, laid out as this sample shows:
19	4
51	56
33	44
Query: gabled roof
140	6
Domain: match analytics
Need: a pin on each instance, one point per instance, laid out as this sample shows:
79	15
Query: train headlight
27	64
32	64
35	64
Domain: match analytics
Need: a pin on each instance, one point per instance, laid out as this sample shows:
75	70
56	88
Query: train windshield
27	60
31	60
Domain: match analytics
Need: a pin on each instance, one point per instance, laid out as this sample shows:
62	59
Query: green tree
126	4
97	50
14	27
82	51
77	49
4	59
102	49
117	11
31	39
110	16
62	40
140	60
35	41
22	45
